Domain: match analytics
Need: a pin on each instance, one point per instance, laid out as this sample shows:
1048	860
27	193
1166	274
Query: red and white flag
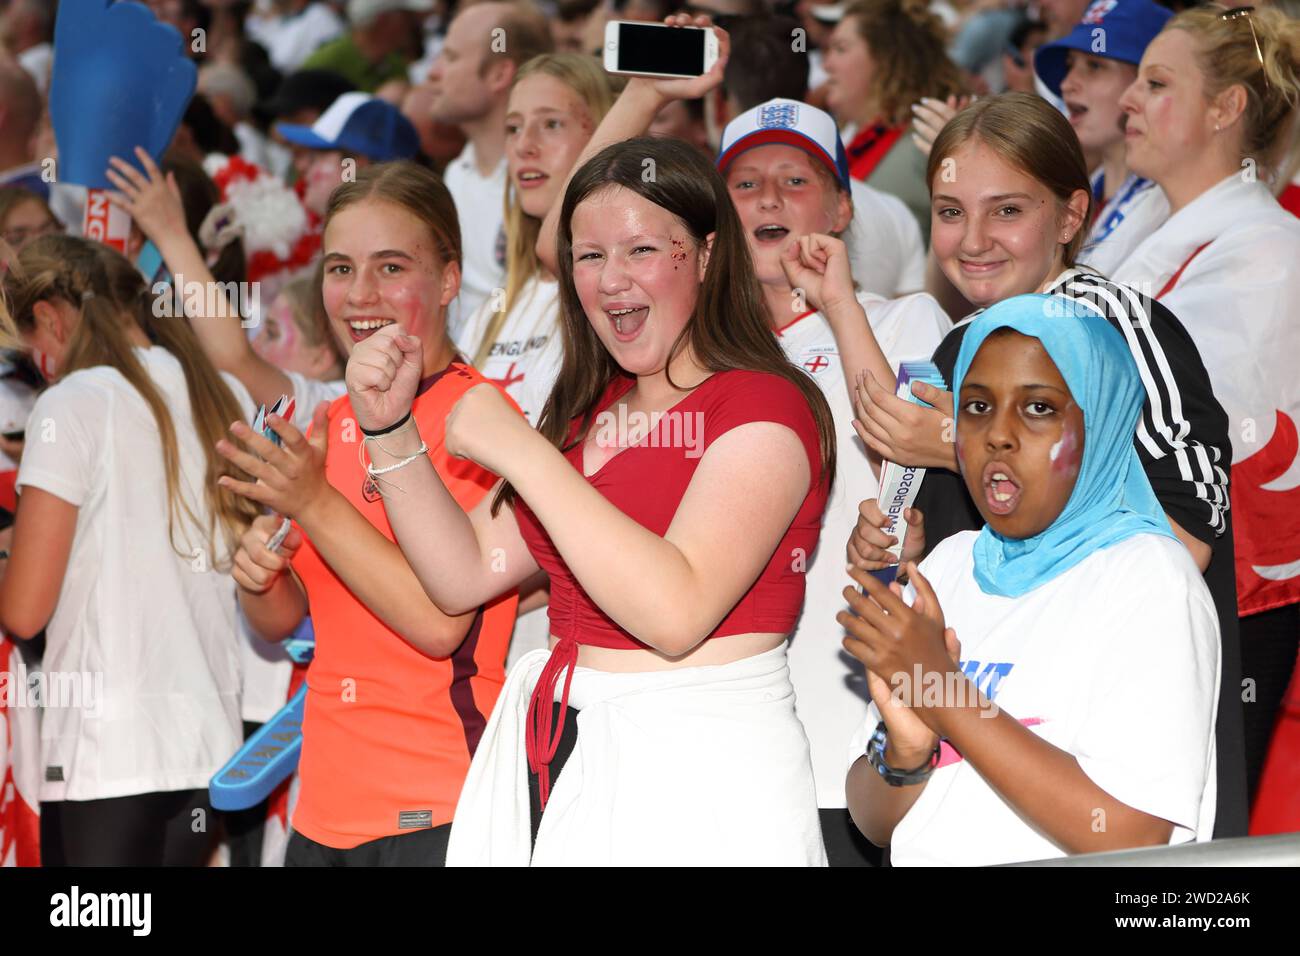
1225	265
20	763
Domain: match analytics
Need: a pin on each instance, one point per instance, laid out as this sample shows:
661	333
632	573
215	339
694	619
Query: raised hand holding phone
682	58
637	48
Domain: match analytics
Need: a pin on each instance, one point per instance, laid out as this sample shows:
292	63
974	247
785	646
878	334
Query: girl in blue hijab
1027	539
1076	712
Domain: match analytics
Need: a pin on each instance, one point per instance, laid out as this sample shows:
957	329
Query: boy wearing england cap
787	174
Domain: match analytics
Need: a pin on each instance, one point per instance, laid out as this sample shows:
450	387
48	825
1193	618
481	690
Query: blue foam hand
121	79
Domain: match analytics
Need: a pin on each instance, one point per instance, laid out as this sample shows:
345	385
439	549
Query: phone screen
643	48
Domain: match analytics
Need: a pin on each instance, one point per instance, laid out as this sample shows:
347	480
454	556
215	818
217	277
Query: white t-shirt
16	401
290	40
527	350
310	392
829	685
1115	661
886	254
266	667
480	207
153	631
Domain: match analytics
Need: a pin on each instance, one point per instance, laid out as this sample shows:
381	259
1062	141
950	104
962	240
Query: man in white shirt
485	46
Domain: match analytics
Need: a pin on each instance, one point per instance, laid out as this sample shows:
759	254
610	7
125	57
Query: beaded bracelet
420	452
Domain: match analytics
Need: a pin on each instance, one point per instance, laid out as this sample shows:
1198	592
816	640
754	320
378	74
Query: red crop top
647	481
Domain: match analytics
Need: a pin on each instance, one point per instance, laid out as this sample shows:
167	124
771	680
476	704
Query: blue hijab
1112	498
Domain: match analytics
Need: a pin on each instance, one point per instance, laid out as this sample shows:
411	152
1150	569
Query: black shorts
417	848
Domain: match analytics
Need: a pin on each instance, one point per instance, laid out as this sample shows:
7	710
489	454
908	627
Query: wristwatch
897	778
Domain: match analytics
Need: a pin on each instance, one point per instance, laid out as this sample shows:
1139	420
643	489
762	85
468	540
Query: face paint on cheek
679	250
1064	454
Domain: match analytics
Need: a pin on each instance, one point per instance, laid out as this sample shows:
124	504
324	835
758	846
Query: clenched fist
383	375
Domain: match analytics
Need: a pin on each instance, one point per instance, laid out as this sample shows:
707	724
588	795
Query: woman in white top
1208	119
1051	687
121	547
786	174
513	338
557	101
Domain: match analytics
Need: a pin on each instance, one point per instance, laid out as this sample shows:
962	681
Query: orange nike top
389	731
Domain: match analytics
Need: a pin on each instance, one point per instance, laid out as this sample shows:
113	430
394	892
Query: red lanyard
869	147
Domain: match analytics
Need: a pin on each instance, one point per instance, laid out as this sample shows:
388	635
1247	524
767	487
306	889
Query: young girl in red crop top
673	491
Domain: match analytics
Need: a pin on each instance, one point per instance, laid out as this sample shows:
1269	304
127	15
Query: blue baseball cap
1113	29
360	124
790	123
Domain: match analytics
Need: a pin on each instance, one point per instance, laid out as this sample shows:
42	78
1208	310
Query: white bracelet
419	453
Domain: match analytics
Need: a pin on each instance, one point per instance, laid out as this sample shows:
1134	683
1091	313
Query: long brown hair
728	328
112	296
1031	135
909	50
583	75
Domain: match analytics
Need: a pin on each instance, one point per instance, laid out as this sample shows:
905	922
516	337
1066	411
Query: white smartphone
653	49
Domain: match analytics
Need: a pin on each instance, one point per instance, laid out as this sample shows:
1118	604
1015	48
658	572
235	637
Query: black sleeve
943	499
1182	437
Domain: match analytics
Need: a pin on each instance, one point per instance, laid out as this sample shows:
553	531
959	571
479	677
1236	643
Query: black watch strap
897	778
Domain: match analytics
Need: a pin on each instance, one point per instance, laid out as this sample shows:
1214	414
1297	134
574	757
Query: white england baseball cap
791	123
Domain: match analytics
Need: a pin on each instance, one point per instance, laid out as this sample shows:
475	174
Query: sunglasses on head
1244	13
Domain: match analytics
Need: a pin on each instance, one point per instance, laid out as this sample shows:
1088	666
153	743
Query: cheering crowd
593	378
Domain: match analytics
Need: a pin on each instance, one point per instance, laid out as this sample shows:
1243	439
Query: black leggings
567	740
144	829
1269	643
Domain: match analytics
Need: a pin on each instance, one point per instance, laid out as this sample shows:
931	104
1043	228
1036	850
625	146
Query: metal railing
1280	850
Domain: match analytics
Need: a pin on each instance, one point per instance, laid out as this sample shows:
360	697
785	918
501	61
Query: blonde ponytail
1227	55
